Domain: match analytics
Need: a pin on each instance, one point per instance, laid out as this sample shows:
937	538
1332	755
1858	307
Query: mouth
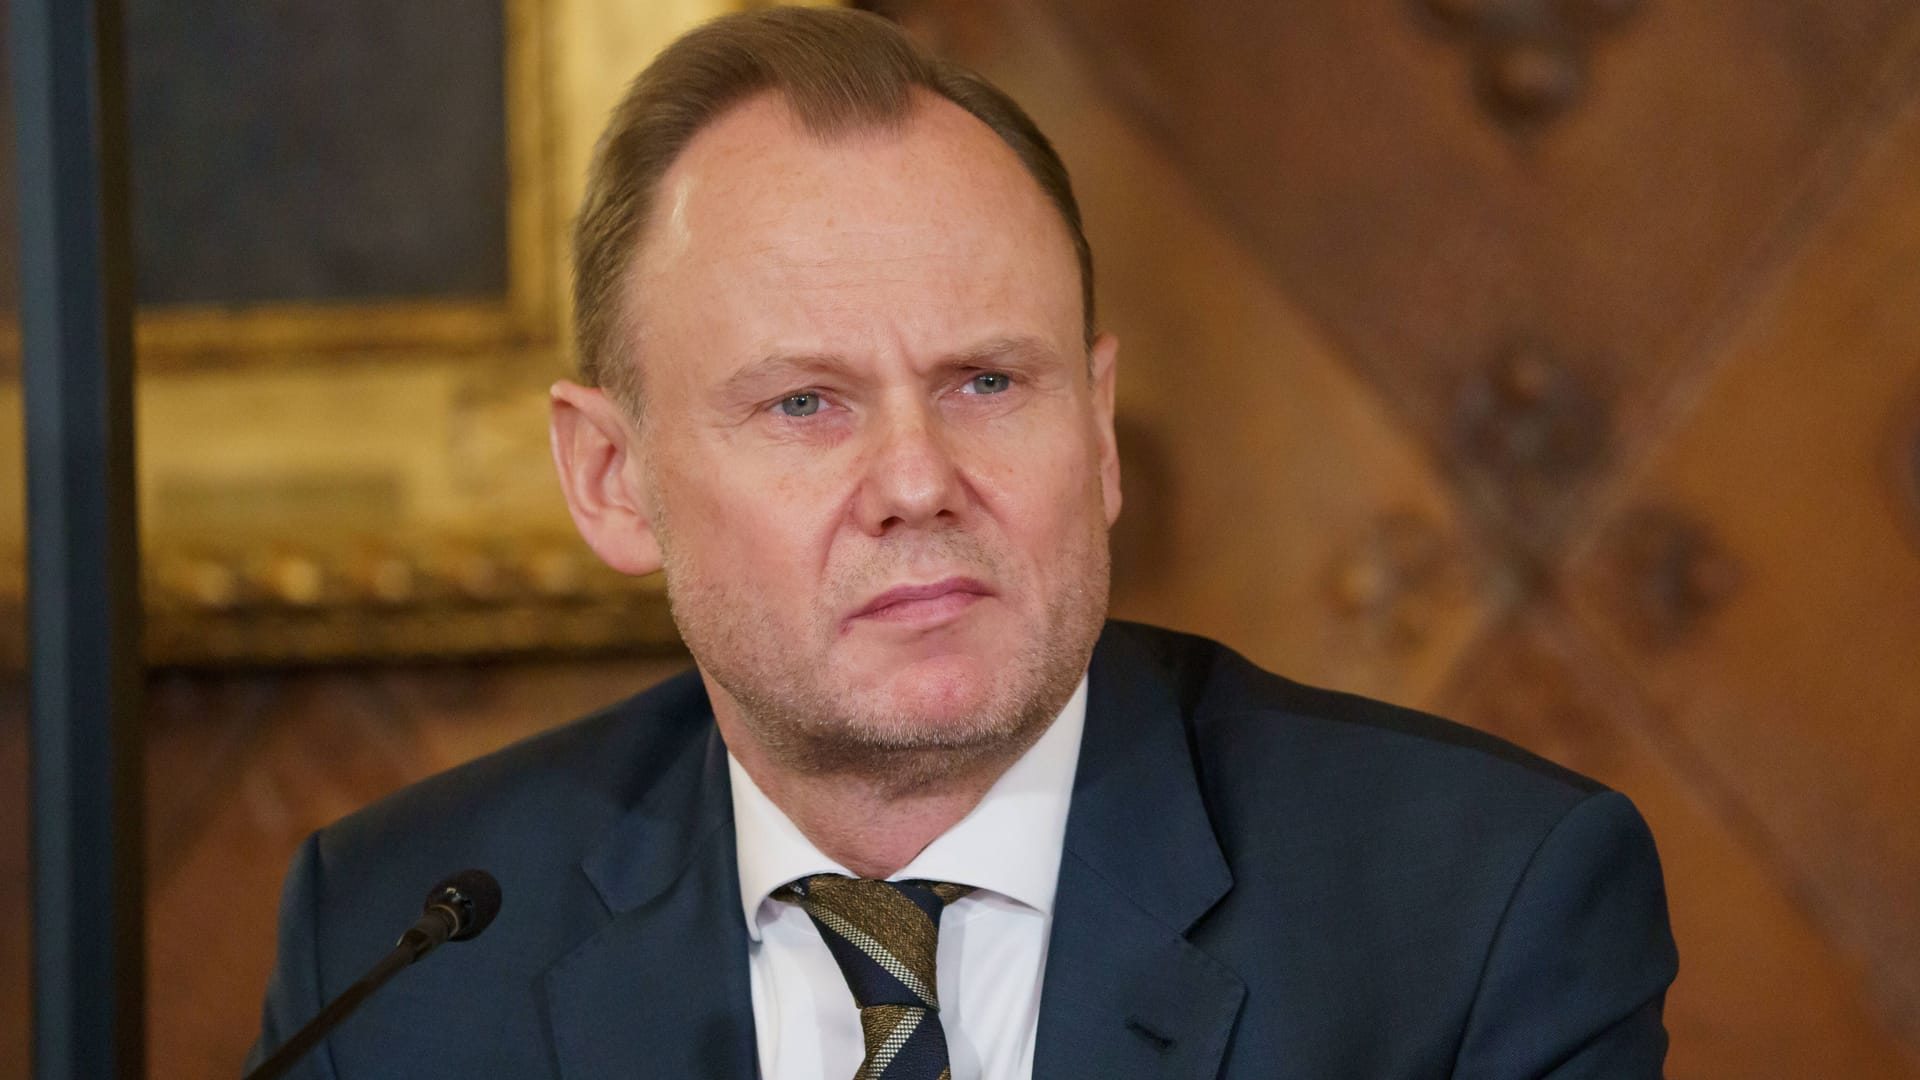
931	603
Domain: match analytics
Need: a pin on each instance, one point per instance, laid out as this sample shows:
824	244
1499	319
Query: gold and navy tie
884	935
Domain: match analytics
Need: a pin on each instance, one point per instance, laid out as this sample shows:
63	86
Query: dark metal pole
82	540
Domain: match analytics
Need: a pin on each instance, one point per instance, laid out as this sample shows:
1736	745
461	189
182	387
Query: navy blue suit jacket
1259	879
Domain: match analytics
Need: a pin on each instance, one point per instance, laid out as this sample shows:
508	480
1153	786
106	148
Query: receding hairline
663	203
662	200
837	70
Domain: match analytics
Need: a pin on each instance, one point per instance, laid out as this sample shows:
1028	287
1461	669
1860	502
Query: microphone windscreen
476	894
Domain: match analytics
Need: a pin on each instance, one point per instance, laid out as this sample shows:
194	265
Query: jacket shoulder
1270	722
528	813
1377	794
1419	870
588	769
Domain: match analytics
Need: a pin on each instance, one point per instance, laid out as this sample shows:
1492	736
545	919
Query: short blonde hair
837	69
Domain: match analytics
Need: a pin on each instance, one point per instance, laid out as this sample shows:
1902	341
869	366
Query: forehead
760	219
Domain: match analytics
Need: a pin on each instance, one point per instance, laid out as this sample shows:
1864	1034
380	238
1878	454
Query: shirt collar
1008	844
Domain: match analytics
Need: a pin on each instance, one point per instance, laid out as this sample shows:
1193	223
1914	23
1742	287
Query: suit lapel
1126	995
661	989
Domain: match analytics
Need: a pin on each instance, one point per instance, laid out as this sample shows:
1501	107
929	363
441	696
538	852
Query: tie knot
883	934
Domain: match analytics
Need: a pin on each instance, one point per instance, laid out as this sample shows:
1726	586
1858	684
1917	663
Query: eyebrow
784	366
1000	349
779	367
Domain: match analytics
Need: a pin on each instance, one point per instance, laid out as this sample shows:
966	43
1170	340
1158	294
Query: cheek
764	525
1045	494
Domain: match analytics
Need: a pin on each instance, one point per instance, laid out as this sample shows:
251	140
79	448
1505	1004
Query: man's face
874	449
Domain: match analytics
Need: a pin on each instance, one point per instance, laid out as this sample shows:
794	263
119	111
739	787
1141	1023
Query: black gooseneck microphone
456	910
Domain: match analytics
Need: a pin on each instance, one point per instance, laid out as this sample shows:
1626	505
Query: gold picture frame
181	337
338	482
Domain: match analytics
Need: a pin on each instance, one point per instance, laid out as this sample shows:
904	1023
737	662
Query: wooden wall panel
1762	576
1761	991
1346	143
1299	493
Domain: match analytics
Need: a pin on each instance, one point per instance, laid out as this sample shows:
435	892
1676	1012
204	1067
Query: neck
871	824
869	830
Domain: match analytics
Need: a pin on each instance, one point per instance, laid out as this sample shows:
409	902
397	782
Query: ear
1105	358
595	448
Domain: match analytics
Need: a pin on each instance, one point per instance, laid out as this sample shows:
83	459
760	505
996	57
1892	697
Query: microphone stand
456	910
309	1036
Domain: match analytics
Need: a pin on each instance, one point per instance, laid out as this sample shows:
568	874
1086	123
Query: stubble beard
807	725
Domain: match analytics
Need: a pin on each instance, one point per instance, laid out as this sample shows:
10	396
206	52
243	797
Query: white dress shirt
993	942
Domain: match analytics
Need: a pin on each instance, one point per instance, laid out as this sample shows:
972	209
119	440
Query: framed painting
349	221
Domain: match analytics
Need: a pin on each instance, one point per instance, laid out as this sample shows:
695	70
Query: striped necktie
884	935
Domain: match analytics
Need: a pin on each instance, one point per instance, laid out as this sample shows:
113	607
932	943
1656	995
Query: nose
910	478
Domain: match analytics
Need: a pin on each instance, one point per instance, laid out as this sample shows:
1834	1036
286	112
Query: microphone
457	909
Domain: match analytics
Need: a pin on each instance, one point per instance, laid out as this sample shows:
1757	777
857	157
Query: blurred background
1550	364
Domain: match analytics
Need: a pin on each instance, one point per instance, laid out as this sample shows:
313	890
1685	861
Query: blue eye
990	382
800	404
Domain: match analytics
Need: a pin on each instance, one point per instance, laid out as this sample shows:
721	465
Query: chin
936	693
951	702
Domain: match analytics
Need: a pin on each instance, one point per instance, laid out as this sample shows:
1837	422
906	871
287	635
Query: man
918	813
